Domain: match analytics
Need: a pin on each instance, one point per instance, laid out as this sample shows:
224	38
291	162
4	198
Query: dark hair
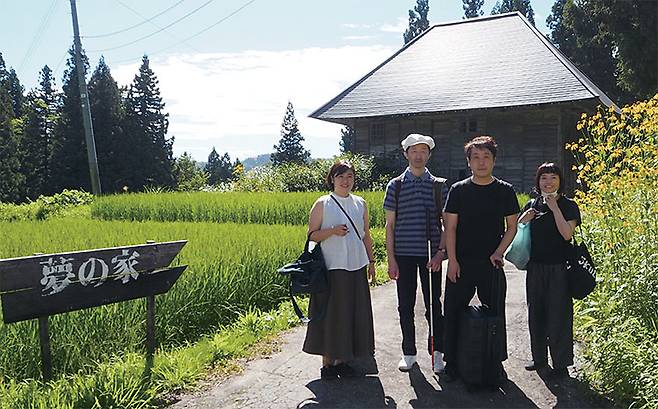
481	142
548	167
339	168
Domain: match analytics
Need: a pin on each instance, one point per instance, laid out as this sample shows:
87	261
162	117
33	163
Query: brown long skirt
347	330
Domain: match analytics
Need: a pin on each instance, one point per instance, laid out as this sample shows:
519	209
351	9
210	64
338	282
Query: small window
377	134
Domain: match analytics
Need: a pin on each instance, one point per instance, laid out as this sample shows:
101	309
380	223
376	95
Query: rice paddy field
236	242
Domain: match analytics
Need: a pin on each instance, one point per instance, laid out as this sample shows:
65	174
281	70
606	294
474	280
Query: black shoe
559	373
343	370
329	372
450	373
535	366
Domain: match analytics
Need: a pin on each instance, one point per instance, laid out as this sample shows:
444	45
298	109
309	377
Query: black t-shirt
482	210
547	246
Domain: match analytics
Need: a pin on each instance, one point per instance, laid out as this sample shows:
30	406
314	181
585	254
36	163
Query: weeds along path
291	378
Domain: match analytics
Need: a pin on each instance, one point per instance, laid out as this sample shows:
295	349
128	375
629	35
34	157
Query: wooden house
494	75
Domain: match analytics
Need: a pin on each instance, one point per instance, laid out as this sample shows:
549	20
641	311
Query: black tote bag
307	275
581	271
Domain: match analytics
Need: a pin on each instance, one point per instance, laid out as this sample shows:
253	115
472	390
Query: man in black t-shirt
480	219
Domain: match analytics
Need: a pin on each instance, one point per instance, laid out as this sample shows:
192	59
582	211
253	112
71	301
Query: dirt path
290	378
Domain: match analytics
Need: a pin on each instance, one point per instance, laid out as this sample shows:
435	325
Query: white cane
429	272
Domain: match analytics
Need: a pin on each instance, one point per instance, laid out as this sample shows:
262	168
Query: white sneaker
439	366
406	362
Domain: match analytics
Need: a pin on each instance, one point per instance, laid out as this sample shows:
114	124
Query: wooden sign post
47	284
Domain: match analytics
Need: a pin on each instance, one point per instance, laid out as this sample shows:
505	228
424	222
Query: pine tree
4	74
188	176
16	92
418	21
347	140
522	6
11	180
212	167
225	168
146	127
575	33
290	147
237	170
34	147
595	36
41	106
472	8
107	116
69	165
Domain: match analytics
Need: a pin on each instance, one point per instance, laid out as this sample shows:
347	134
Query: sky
227	68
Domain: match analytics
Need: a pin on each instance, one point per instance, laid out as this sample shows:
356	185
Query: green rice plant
227	207
126	382
231	268
222	207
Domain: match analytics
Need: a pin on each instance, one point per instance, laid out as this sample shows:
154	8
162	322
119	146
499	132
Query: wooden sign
50	284
47	284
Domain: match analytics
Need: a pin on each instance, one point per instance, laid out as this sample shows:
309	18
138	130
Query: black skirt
346	332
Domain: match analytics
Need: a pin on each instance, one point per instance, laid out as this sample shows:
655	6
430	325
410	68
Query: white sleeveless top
344	252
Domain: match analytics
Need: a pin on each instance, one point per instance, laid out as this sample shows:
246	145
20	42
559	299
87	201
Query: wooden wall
526	137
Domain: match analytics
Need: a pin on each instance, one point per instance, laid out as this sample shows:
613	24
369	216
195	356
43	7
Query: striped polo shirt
415	205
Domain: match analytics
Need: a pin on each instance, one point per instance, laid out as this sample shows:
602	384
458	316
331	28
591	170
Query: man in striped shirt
413	210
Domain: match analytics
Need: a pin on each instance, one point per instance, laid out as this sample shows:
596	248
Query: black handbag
307	275
581	271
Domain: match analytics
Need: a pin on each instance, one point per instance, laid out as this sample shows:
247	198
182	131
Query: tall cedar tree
522	6
212	167
11	180
150	152
40	115
219	169
418	21
16	91
290	147
575	33
107	115
69	165
473	8
614	43
347	140
225	168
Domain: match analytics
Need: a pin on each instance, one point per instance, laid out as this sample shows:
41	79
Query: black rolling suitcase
481	346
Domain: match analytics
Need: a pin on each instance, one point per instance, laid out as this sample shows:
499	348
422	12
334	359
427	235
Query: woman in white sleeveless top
346	332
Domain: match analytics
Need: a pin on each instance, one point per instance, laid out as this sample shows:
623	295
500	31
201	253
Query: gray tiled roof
488	62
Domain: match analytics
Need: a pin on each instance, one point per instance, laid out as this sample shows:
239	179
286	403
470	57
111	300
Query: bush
292	177
617	165
45	206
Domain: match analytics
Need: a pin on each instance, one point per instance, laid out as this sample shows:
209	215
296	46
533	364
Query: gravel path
290	378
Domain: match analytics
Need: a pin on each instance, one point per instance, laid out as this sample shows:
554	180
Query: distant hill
259	160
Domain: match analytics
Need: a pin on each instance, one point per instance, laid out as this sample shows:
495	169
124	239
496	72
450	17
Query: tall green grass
222	207
231	268
227	207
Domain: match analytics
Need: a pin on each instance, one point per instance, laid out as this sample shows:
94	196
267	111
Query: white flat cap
416	138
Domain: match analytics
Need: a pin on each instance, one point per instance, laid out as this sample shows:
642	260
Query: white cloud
353	26
236	101
399	27
357	38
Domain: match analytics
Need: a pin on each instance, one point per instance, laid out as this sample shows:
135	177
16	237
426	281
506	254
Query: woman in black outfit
553	218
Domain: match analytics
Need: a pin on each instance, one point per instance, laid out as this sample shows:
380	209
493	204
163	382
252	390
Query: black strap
437	190
348	216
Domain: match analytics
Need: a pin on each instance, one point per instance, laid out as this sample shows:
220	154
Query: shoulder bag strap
398	188
348	217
